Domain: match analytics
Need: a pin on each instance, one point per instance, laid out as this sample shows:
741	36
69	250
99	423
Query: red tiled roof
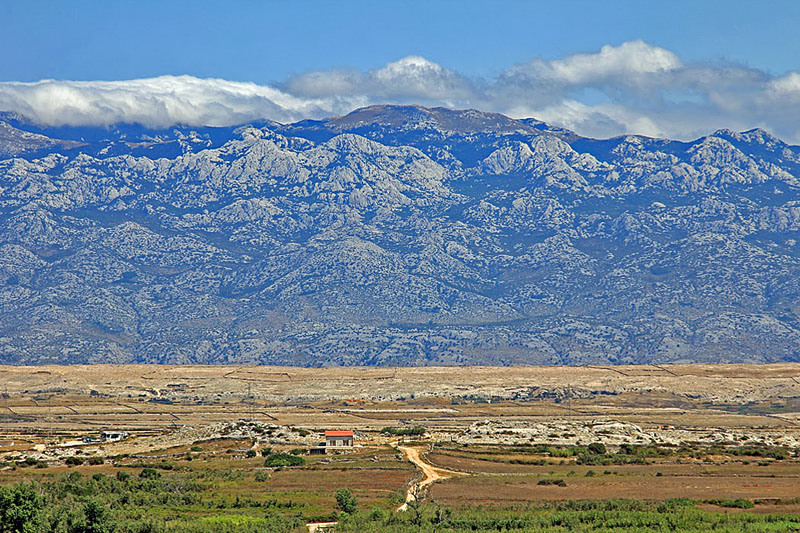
339	433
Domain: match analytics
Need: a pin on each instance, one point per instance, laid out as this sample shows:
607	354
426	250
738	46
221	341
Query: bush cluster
283	459
411	431
556	482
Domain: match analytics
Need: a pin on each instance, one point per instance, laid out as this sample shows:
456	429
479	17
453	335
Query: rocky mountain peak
396	235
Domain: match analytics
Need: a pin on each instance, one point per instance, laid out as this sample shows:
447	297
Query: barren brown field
510	483
505	490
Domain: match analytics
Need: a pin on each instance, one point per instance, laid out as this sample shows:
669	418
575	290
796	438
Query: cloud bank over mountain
634	87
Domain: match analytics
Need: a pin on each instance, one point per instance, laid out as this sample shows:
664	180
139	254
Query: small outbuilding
113	436
339	439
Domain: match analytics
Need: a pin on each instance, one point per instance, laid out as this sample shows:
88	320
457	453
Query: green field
181	502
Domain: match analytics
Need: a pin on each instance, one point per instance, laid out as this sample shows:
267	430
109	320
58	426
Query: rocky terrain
256	435
50	409
615	432
395	236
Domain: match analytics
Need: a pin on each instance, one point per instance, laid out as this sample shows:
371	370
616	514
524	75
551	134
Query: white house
339	439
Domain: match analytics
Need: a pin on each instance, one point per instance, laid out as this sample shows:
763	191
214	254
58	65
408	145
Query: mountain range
395	235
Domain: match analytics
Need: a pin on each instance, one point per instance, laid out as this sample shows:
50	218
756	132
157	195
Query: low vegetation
598	454
556	482
284	459
259	477
410	431
596	516
74	503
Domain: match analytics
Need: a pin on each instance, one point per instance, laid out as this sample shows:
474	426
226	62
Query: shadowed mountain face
396	236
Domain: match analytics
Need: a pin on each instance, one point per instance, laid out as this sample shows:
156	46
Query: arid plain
147	398
709	431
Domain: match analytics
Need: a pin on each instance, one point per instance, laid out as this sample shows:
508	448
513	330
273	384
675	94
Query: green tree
96	519
345	501
20	509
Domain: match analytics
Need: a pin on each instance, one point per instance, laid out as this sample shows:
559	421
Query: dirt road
430	474
319	527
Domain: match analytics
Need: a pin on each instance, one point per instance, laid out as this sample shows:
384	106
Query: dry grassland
54	406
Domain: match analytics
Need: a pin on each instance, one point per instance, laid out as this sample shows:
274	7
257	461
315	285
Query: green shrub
626	449
345	501
283	459
149	473
404	431
779	453
597	448
738	503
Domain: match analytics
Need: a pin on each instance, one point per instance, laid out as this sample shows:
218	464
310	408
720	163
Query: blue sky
265	42
676	68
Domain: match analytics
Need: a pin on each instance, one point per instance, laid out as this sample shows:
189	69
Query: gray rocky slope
395	236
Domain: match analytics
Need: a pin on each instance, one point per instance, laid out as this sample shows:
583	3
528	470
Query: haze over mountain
395	235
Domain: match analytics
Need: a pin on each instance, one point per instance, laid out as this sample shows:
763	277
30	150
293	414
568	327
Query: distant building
339	439
113	436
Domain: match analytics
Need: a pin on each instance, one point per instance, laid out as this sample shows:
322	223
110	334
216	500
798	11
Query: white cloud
161	101
632	58
410	79
787	86
415	67
635	57
634	87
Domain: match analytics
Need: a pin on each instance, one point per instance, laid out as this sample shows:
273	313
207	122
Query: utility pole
250	400
569	400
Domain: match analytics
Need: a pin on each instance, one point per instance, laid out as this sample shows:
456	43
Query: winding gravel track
430	473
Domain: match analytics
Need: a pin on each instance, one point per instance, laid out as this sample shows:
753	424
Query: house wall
338	441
